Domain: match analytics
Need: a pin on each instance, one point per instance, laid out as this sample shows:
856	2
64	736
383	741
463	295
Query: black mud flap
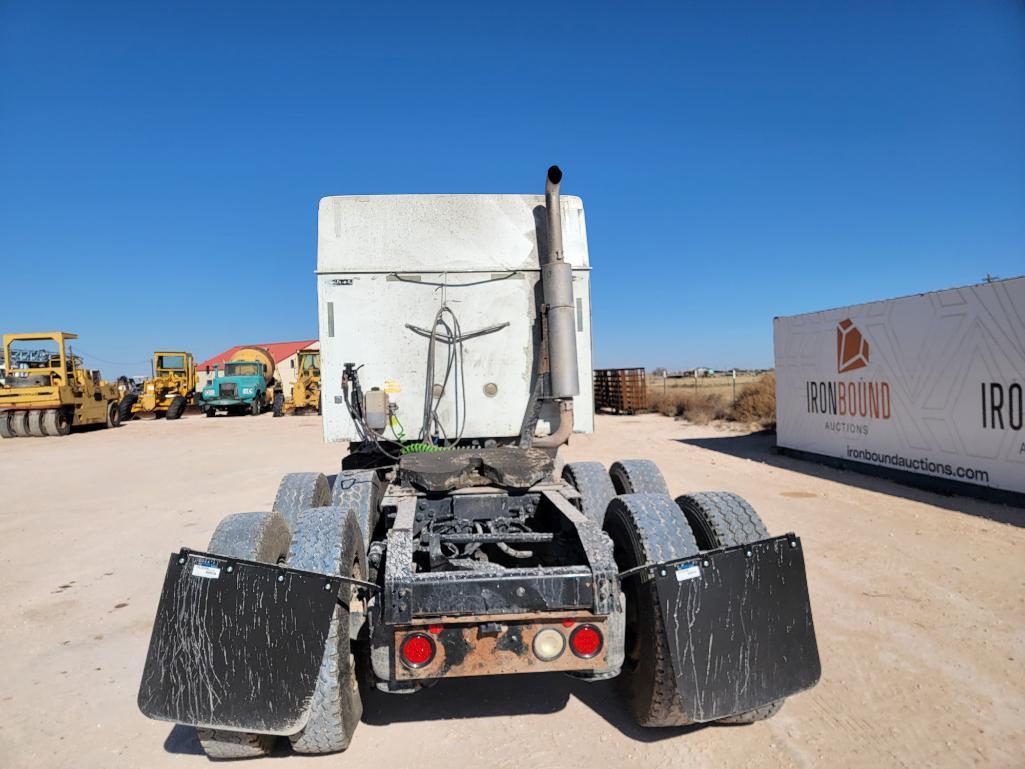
236	645
738	622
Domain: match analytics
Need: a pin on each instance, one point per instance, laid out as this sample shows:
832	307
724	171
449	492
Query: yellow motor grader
170	389
306	390
45	391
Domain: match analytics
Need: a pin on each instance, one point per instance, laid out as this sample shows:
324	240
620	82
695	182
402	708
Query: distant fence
622	390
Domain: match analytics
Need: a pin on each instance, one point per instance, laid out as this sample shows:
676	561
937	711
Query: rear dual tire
262	537
723	519
593	483
327	540
298	492
637	476
648	528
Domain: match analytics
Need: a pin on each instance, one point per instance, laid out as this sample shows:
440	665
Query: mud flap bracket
739	627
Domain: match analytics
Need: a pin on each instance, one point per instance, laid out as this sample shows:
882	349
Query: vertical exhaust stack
557	287
557	284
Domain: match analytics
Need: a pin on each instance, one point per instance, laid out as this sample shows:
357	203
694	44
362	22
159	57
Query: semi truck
453	540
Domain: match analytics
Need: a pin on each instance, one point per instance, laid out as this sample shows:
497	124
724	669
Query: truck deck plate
236	644
739	627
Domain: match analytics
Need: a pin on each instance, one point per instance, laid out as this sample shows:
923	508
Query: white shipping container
930	384
387	262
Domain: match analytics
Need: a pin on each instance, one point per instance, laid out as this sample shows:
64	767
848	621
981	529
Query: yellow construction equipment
45	391
168	392
306	390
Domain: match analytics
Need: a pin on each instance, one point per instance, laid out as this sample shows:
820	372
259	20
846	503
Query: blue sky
161	163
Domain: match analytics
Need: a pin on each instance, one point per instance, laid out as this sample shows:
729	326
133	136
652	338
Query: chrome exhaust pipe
557	285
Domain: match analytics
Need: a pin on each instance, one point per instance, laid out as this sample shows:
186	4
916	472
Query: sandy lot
919	606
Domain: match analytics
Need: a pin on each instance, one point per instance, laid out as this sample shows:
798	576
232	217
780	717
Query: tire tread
637	476
657	532
299	491
327	540
595	487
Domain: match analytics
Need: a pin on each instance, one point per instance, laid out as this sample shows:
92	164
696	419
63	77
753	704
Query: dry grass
756	402
696	406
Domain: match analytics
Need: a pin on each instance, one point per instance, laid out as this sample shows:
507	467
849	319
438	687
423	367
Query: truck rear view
456	358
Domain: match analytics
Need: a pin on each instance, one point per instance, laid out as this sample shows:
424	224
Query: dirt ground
919	604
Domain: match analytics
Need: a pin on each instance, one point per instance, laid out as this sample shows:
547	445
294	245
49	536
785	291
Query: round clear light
549	644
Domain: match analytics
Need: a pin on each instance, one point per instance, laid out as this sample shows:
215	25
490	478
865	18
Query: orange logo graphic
851	347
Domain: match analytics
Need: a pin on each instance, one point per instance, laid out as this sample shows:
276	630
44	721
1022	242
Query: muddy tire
19	424
298	491
56	422
279	404
648	528
595	487
327	540
125	406
724	519
210	412
6	431
721	519
219	743
361	492
637	476
262	537
175	408
256	407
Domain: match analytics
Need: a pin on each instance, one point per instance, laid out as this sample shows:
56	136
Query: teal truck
246	384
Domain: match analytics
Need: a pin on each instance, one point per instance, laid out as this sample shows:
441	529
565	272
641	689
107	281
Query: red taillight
417	650
586	641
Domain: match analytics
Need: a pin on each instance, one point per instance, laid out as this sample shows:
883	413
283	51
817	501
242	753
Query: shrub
698	407
756	402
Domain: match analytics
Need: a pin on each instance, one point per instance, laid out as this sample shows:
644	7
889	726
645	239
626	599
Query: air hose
423	448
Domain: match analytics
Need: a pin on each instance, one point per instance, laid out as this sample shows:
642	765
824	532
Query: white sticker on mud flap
205	570
687	571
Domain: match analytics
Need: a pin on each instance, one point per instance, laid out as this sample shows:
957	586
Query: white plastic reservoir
388	262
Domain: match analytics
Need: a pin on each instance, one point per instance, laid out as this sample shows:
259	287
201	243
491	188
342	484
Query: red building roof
279	351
